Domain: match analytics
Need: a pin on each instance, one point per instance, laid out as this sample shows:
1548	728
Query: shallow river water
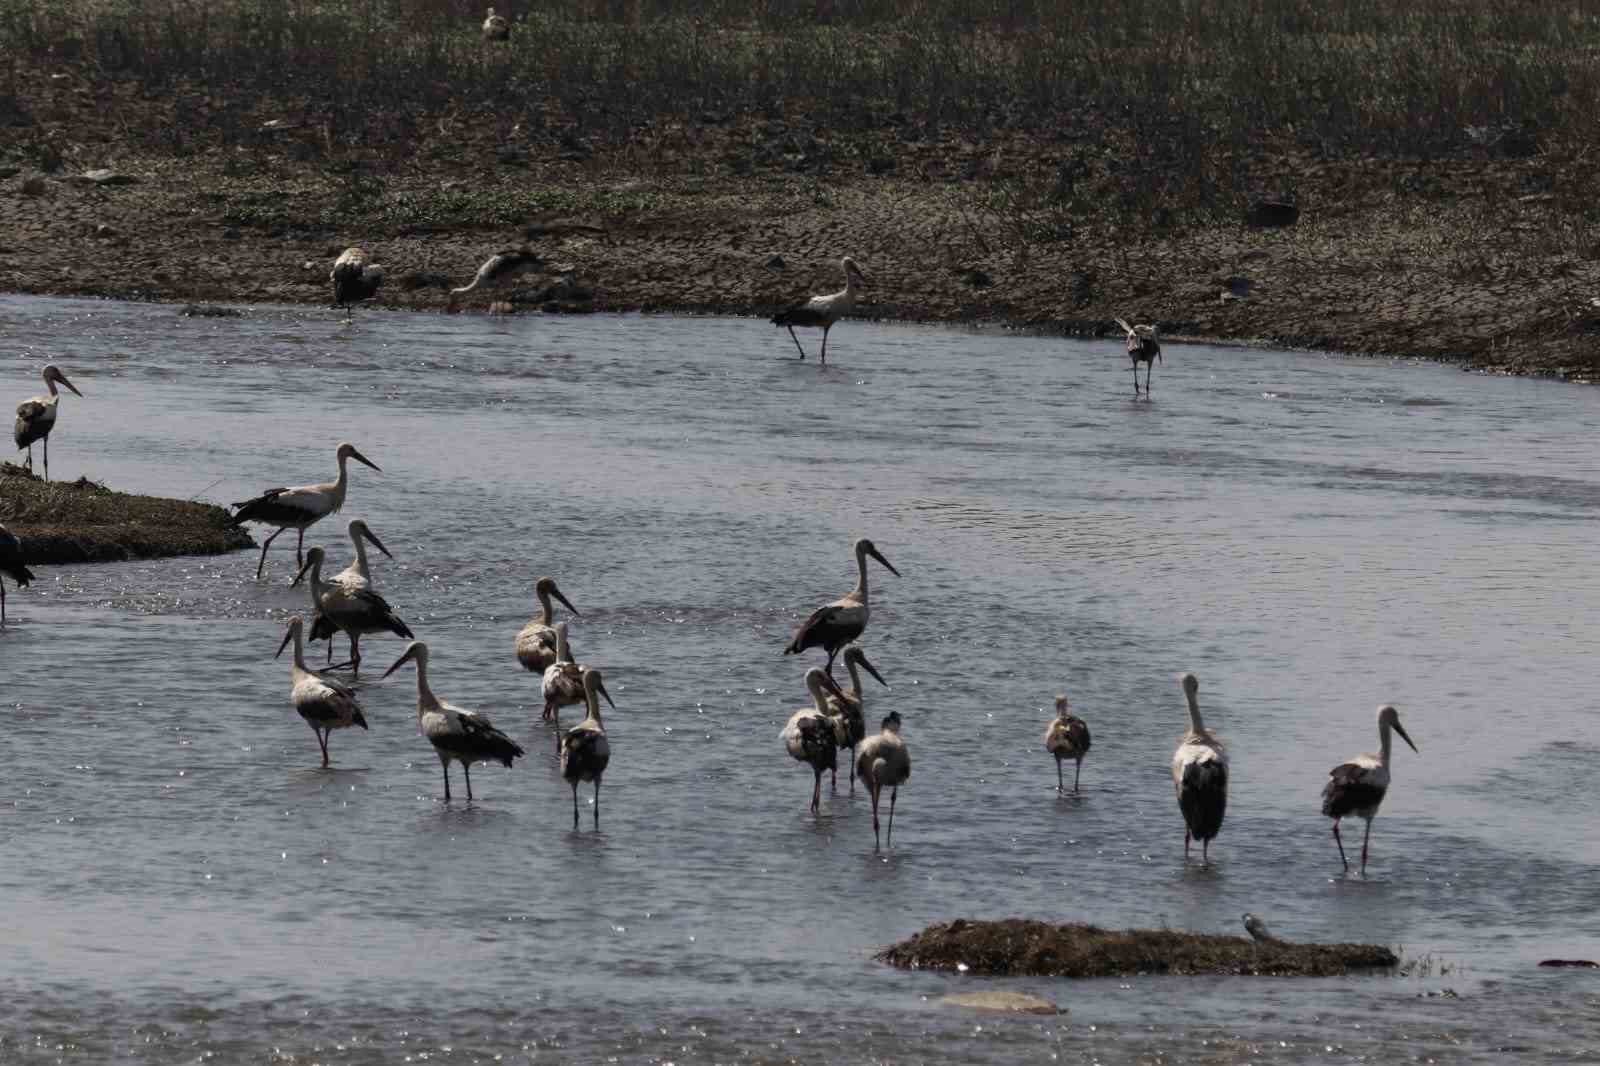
1310	535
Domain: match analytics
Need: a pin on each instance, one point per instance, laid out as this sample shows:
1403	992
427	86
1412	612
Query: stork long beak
305	570
370	535
568	605
405	657
59	376
1398	728
833	686
873	670
879	556
363	459
287	636
601	688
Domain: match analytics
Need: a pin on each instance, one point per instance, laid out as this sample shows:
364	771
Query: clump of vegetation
84	522
1017	947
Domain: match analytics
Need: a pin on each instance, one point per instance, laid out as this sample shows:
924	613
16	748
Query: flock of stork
349	603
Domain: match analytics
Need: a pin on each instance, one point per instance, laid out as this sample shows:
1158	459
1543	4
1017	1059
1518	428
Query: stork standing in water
36	417
325	705
809	734
11	566
1358	786
536	643
563	679
299	508
495	27
1142	348
497	271
1200	774
585	751
837	624
848	709
353	578
354	279
821	312
883	760
455	732
353	610
1067	737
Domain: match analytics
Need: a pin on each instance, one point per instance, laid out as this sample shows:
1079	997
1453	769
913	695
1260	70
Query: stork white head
852	273
348	451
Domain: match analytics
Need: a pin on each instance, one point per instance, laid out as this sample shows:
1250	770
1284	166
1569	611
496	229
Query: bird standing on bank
36	417
833	626
1200	774
325	704
1358	786
809	734
455	732
1066	737
495	27
882	761
1142	348
11	566
497	272
585	749
354	279
821	312
300	507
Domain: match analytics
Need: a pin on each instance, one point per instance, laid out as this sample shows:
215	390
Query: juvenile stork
809	734
848	709
821	312
11	566
536	642
833	626
36	417
325	705
354	610
354	279
1066	737
355	577
300	507
455	732
495	27
585	751
1358	786
498	271
563	679
1200	774
883	760
1142	348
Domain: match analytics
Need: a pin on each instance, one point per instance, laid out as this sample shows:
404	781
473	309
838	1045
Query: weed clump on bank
1018	948
84	522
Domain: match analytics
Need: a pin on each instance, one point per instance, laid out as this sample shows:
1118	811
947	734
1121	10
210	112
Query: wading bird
455	732
496	272
1358	786
1142	348
325	705
883	760
821	312
1200	773
36	417
536	642
1066	737
563	679
356	576
849	709
300	507
11	566
354	611
809	734
837	624
354	279
495	27
585	751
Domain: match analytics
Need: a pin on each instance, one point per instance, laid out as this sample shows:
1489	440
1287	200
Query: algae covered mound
1018	947
84	522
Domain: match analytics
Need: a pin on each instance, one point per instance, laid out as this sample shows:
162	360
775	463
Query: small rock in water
1007	1002
1581	964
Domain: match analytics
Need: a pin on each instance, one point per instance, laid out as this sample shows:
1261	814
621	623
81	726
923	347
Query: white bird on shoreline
585	749
354	279
836	624
36	417
1358	786
809	734
496	272
883	760
821	312
325	704
455	732
300	507
1200	774
495	27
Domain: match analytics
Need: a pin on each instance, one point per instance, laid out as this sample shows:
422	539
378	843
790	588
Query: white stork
495	27
585	751
1142	348
821	312
848	709
497	271
1067	737
838	623
1200	774
36	417
354	279
536	642
809	734
300	507
356	576
354	610
883	760
325	705
11	566
455	732
1358	786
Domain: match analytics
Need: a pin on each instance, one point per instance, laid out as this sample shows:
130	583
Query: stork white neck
425	697
860	592
1195	722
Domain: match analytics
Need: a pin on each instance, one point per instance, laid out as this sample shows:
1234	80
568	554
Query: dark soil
1019	948
84	522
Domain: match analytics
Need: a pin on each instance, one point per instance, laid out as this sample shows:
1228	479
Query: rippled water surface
1310	535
